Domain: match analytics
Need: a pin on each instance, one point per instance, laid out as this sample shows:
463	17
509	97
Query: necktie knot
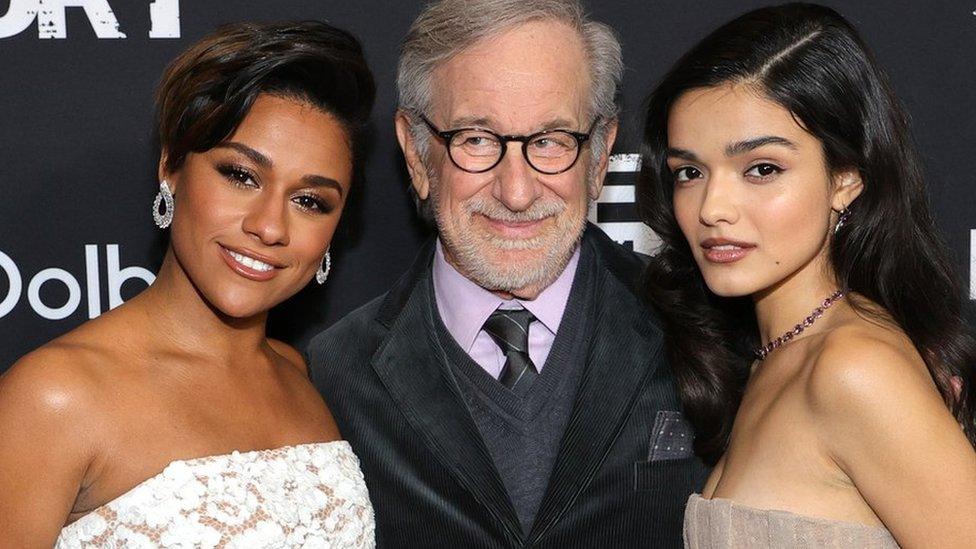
509	328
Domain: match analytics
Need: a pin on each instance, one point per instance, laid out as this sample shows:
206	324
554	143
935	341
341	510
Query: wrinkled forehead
516	81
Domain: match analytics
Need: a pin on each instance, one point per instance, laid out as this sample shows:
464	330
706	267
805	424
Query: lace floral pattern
311	495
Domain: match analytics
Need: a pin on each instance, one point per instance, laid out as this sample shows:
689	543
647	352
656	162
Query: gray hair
447	27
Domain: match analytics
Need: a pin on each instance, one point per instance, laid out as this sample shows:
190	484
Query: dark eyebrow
320	181
254	155
266	163
734	149
683	154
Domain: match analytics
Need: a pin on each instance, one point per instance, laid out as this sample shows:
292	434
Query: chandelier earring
163	198
845	214
323	273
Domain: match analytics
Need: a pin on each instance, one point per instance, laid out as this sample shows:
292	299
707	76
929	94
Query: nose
718	203
266	220
515	184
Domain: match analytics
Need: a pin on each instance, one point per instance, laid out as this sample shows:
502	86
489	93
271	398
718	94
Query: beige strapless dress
721	524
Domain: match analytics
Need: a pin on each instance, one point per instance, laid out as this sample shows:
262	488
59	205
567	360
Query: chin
239	310
722	291
724	285
241	305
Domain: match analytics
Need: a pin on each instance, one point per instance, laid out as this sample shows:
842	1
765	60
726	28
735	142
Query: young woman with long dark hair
173	420
816	331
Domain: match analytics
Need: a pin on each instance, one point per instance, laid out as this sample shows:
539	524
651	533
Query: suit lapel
622	354
414	370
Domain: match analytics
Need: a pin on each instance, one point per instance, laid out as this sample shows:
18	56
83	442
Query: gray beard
466	250
466	246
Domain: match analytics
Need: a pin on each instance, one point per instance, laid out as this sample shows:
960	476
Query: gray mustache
493	209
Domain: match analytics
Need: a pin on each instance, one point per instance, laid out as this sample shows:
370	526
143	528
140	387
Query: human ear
163	173
416	168
595	185
847	187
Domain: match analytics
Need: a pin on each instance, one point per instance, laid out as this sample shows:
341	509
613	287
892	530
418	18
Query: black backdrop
78	157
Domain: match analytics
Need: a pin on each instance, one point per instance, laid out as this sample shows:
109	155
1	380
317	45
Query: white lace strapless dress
310	495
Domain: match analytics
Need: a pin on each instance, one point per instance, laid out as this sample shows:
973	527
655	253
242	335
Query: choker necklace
763	351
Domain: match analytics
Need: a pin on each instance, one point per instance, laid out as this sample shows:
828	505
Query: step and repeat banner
78	156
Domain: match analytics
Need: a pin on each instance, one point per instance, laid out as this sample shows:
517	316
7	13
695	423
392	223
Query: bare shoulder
52	407
53	415
78	369
290	354
58	378
880	419
864	365
870	393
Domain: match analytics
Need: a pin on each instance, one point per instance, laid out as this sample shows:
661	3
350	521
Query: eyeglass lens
477	150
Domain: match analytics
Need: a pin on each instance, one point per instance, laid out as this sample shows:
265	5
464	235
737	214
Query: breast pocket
671	437
680	476
671	464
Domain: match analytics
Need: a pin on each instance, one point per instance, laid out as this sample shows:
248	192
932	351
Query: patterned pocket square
671	437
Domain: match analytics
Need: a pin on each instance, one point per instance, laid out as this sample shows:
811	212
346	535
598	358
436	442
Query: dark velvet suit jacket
430	476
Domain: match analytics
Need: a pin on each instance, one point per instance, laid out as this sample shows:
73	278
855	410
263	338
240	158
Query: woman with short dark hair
174	419
815	323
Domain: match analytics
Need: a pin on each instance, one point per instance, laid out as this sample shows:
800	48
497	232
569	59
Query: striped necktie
510	330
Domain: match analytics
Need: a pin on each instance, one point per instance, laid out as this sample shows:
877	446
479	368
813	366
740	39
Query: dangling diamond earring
323	273
164	196
845	214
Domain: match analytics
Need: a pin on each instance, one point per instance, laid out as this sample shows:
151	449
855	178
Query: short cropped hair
207	91
448	27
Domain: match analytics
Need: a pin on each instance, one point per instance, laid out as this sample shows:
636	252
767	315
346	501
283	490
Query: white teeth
725	247
250	262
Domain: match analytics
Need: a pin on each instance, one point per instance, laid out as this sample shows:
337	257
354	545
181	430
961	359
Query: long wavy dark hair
812	62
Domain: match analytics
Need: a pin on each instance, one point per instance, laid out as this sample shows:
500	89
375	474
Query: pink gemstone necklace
763	351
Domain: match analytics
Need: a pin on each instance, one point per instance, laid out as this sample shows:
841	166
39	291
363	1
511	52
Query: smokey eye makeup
237	174
313	203
242	177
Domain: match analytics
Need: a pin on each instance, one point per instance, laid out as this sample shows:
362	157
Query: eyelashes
686	173
243	178
312	203
763	171
238	175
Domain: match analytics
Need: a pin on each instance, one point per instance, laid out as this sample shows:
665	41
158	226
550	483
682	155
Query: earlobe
416	168
596	185
163	173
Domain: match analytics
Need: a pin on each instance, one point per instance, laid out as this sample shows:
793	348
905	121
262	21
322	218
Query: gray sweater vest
523	432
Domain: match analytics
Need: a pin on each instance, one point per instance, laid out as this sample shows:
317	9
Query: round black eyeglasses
477	150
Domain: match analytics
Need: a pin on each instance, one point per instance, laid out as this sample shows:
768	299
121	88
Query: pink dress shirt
464	307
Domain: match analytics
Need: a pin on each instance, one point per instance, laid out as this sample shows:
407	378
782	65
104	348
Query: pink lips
724	250
244	270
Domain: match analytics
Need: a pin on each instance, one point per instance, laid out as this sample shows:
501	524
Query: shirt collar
464	306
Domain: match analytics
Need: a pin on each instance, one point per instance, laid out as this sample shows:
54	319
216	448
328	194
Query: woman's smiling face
255	214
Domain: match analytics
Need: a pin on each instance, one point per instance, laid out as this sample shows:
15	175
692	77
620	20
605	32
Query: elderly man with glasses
510	390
